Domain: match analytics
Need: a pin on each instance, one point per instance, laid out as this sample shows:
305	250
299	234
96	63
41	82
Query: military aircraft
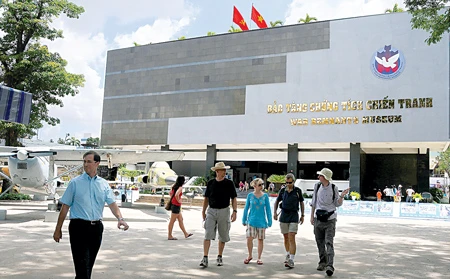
35	170
159	174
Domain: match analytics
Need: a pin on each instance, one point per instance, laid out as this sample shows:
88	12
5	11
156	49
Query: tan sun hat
327	173
220	166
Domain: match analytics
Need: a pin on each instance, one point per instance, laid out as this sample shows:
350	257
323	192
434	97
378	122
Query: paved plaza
366	247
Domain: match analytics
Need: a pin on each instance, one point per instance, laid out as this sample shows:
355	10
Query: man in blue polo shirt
292	197
86	196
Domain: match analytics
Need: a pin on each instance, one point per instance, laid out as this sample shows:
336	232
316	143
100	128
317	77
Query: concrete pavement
366	247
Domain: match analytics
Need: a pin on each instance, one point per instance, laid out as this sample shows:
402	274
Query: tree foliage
26	64
444	161
73	141
234	30
277	178
307	19
431	16
92	142
395	9
276	23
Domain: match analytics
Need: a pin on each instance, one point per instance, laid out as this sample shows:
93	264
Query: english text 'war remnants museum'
366	97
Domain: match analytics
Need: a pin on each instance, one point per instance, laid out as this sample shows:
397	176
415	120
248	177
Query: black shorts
175	209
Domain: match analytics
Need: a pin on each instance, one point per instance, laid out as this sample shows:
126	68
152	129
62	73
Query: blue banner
15	105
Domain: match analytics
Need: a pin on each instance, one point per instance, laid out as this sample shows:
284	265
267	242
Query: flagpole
251	17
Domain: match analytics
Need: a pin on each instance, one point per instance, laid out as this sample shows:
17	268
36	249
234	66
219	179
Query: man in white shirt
409	193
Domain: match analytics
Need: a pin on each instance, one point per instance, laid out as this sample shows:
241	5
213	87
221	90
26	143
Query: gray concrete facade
147	85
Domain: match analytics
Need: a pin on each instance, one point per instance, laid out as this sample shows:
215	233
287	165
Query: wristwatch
234	210
120	219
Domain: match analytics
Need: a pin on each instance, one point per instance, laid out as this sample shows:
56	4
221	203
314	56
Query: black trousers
85	241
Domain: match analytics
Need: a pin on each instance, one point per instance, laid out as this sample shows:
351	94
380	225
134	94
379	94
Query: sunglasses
289	182
260	184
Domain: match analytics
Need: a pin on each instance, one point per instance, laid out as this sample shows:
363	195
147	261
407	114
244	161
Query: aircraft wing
114	156
108	156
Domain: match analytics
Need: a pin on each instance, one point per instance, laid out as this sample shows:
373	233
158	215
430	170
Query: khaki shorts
288	228
258	233
218	220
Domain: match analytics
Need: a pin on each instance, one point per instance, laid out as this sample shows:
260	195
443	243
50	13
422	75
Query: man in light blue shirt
86	196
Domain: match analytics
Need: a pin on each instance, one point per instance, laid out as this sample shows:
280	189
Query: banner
15	105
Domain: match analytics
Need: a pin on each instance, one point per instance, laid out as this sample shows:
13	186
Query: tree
307	19
73	141
26	64
396	9
92	142
210	33
276	23
444	161
234	30
136	44
431	16
182	38
61	141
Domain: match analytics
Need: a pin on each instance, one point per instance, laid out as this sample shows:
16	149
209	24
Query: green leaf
27	65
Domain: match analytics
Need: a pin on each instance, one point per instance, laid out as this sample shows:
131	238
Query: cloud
86	54
99	13
161	30
326	10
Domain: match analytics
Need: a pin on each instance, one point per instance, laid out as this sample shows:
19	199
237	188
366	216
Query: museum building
366	97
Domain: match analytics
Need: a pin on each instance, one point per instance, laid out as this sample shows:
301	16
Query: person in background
379	195
175	193
86	196
257	217
409	194
398	193
241	186
271	187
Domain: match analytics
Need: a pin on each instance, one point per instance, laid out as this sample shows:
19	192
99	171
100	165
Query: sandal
172	238
189	235
247	260
259	262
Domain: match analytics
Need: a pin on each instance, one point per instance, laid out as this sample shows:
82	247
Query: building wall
201	77
337	75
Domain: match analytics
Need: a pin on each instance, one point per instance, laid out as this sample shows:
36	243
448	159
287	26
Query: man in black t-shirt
219	192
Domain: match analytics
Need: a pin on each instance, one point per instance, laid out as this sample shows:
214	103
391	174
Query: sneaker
219	261
204	262
289	264
287	259
321	267
330	270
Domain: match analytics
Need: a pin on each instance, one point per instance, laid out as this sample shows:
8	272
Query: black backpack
317	190
297	190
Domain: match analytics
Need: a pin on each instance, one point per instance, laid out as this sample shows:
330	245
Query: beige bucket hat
220	166
327	173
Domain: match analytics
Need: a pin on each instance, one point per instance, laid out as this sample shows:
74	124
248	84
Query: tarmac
366	247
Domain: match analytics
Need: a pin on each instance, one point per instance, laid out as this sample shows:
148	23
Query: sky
113	24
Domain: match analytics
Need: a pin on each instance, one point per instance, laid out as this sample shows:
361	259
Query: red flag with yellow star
239	19
258	19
